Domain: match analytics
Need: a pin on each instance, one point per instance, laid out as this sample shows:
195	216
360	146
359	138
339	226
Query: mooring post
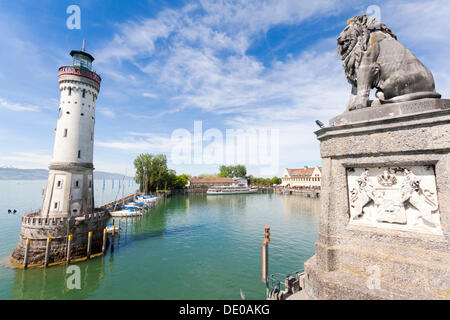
113	234
104	241
89	244
265	258
25	257
69	248
47	251
118	234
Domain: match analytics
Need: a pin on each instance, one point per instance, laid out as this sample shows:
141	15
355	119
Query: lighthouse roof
82	53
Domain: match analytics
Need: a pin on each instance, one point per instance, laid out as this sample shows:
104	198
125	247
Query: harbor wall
38	231
306	192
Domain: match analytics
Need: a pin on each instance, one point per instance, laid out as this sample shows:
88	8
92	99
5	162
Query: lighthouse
68	226
70	190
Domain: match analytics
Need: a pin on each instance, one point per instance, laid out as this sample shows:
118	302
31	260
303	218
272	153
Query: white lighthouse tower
70	189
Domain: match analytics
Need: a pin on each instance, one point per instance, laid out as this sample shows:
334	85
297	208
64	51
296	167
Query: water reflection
210	243
52	283
236	202
295	204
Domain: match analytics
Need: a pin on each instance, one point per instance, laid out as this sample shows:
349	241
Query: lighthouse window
79	154
59	184
77	184
82	114
70	91
65	132
59	113
56	205
84	93
67	112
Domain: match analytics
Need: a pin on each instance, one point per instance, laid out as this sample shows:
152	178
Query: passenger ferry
232	189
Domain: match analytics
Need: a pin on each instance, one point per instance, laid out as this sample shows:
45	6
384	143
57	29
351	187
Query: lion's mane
358	29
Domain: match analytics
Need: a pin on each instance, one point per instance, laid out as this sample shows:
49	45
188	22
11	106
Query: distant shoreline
42	174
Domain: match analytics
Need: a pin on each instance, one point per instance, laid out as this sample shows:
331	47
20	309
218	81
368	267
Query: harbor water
187	247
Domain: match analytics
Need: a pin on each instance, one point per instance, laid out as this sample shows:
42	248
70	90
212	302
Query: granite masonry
384	230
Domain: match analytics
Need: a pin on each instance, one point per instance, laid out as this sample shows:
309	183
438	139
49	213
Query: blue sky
166	64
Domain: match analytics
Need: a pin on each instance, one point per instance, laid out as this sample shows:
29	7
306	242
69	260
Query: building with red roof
302	178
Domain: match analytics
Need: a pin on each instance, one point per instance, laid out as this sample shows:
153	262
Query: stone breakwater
51	236
38	229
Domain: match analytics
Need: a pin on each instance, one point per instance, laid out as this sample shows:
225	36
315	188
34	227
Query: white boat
232	189
147	198
127	211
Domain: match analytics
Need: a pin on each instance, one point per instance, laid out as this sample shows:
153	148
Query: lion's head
353	42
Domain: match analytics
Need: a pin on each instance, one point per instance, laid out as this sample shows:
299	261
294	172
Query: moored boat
232	189
127	211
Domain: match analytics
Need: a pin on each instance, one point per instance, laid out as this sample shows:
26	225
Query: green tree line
264	182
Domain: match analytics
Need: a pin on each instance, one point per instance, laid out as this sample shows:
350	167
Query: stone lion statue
373	58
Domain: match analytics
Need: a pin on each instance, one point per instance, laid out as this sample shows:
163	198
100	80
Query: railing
279	285
34	220
80	72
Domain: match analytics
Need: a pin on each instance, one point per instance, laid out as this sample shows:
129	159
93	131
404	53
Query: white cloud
16	159
139	142
17	107
196	57
107	112
150	95
423	27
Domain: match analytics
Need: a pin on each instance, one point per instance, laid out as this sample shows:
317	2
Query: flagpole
103	190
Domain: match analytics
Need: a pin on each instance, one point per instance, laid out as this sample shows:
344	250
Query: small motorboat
127	211
146	198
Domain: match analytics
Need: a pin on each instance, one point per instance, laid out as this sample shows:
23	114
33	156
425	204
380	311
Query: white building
302	178
70	189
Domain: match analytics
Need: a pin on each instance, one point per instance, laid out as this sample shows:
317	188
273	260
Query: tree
226	171
152	173
239	171
209	175
158	173
142	165
276	180
180	181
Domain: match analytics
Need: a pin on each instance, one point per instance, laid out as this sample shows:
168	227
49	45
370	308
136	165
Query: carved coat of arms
395	198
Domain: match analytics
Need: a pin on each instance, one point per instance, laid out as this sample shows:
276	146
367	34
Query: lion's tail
412	96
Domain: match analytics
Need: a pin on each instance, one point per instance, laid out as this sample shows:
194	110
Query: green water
188	247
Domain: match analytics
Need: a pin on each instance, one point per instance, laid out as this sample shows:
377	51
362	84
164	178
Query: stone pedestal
385	204
37	229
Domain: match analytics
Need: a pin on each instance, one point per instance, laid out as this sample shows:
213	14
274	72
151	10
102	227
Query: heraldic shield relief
402	198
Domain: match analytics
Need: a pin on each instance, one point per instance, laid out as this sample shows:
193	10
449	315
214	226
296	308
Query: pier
59	240
306	192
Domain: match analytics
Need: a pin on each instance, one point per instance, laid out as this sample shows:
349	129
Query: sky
166	65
